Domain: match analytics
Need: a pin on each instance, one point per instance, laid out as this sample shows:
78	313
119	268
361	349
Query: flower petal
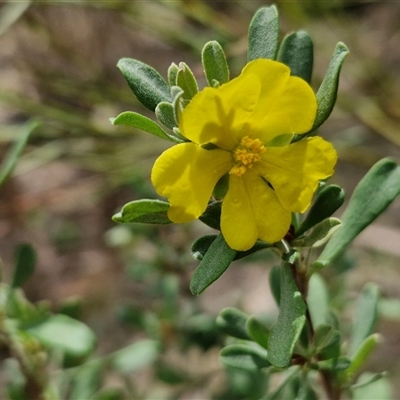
251	211
186	174
218	115
295	170
287	104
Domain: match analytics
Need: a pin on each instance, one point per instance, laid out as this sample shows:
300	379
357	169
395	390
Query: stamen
246	154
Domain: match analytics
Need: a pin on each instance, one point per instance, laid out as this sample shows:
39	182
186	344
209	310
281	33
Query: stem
301	278
35	384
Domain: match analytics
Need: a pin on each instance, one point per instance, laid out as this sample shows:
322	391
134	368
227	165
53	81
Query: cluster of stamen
246	154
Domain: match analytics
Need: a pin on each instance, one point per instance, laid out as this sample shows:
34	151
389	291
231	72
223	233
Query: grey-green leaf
319	234
257	331
178	103
172	73
201	245
136	356
331	351
362	353
214	263
214	63
25	260
328	200
365	381
318	300
245	357
327	92
374	193
365	316
275	283
165	114
380	388
233	322
10	160
285	383
146	83
185	79
285	333
73	338
143	123
212	215
144	211
264	34
297	52
87	380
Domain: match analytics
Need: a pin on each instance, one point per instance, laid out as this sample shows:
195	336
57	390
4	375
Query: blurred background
57	65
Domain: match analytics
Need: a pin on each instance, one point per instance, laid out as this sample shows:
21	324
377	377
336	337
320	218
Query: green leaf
170	374
233	322
109	394
145	82
264	34
201	246
365	316
214	263
340	363
143	123
144	211
374	193
257	331
319	234
172	73
244	357
25	260
214	63
11	158
330	349
297	53
286	331
323	336
60	332
327	92
328	200
280	140
318	300
221	188
212	215
186	80
165	114
71	306
362	353
136	356
306	391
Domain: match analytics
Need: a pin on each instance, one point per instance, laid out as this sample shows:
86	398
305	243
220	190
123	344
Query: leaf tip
117	217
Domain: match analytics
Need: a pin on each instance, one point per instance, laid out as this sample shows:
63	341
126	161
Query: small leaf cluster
305	343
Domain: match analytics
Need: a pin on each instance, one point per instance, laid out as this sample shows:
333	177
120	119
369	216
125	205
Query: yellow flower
244	129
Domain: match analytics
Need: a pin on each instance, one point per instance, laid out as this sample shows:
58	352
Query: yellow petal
287	104
251	211
186	174
295	170
218	115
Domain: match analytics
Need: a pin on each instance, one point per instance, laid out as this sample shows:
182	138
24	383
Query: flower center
246	154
